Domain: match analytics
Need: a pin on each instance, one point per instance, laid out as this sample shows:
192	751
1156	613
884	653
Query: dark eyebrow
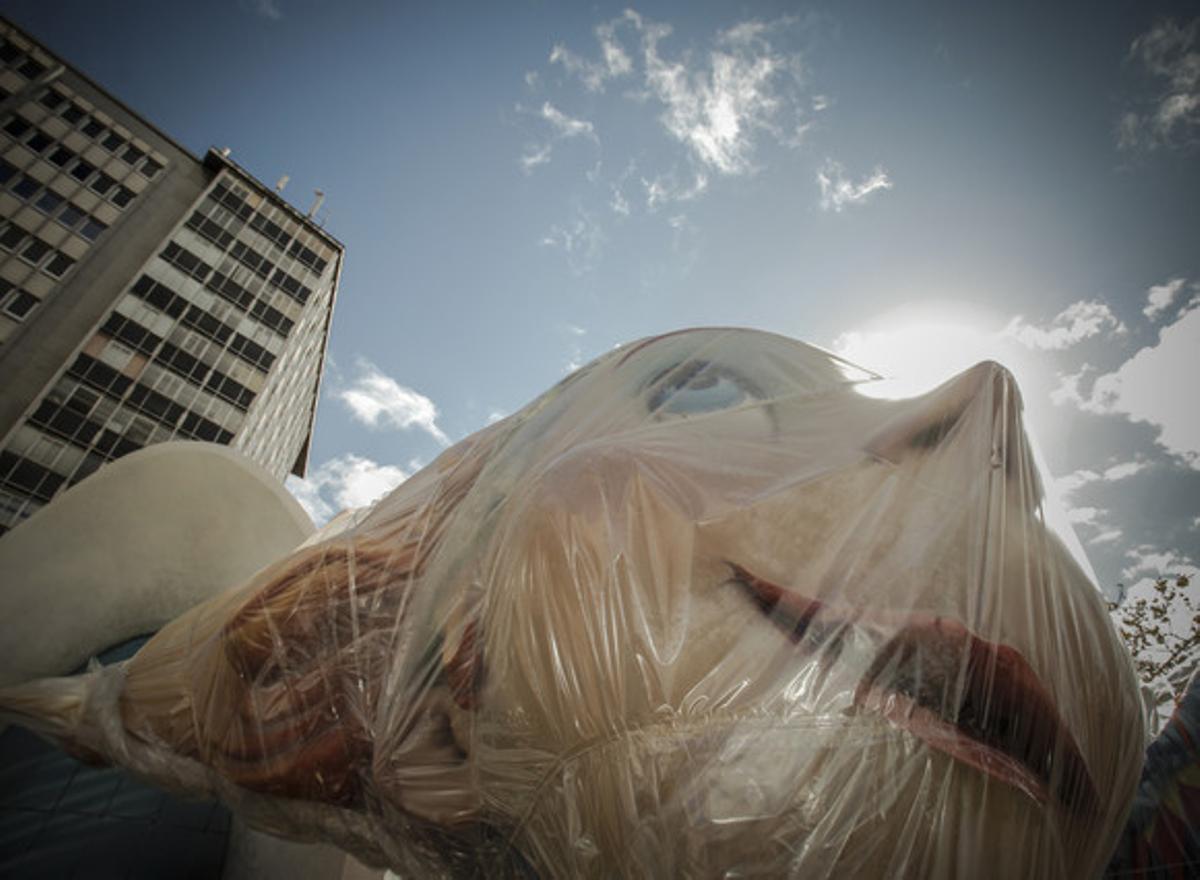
685	371
689	369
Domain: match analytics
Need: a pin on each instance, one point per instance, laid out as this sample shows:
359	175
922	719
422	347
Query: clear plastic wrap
702	609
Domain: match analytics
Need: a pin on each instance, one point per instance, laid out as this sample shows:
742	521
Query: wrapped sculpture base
702	609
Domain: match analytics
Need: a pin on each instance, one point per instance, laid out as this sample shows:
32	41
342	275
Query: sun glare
916	357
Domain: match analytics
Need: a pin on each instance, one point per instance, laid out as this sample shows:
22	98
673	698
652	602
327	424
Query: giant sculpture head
701	608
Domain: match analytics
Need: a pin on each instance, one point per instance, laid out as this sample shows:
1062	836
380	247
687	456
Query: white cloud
1106	537
619	204
1160	296
716	112
565	127
1073	481
1168	52
496	415
1068	390
615	61
715	103
1124	469
1153	562
666	188
535	155
1077	322
343	482
838	191
378	400
1084	515
581	239
1146	388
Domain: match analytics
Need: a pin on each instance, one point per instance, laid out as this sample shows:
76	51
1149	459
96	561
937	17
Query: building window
35	251
39	141
252	259
289	285
100	375
11	237
26	187
186	261
36	479
32	69
59	265
207	324
92	229
271	230
72	113
159	295
82	400
210	230
133	155
8	52
17	126
151	168
48	201
82	171
7	171
156	405
70	216
113	142
228	289
251	352
93	128
139	430
51	100
131	333
61	156
102	184
271	317
19	304
122	197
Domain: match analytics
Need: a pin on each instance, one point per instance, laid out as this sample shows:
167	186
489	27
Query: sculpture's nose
982	405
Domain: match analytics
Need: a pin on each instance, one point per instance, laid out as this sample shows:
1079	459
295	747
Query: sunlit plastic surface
700	610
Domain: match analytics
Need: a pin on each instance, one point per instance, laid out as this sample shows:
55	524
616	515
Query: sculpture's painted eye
695	387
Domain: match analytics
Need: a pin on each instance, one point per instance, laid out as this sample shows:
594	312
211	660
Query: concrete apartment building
146	294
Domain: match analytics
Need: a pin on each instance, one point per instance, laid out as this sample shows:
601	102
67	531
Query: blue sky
522	186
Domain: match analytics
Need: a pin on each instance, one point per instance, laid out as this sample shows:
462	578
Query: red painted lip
974	700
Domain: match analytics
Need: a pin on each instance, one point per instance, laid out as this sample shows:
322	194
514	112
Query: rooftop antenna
316	205
281	183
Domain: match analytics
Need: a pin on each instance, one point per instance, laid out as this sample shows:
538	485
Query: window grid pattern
202	345
79	171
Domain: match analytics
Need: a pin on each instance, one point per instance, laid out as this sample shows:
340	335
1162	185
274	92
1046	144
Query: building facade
146	294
